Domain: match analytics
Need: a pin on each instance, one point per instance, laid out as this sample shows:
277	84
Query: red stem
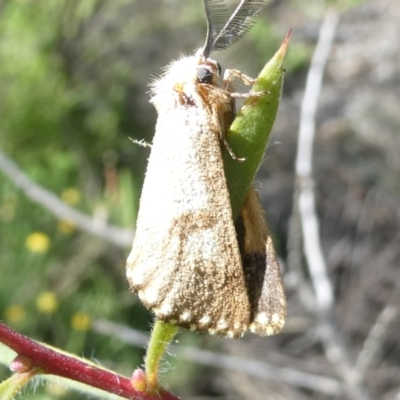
55	363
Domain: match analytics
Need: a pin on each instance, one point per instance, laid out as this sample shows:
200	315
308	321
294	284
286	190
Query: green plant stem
13	385
161	336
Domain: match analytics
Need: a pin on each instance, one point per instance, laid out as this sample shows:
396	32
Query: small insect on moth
190	264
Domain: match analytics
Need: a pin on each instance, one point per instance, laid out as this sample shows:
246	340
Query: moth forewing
261	269
188	263
185	261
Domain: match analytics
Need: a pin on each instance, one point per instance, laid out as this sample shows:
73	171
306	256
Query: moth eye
219	69
204	75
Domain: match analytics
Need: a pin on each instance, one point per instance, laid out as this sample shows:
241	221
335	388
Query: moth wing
185	262
261	269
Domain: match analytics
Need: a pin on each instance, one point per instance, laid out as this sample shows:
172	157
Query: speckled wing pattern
261	269
185	261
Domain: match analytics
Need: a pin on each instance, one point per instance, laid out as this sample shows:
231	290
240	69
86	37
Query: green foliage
55	280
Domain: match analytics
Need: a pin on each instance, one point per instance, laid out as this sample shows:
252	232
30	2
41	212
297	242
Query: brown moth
188	263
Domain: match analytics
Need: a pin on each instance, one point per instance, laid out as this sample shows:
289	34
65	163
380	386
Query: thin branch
295	257
335	350
375	339
309	220
250	367
53	361
122	332
118	236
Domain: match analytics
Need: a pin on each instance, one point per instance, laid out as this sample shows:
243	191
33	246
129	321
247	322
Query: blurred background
74	77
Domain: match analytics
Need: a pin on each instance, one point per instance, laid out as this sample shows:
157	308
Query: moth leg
141	143
230	74
249	94
230	150
235	73
223	135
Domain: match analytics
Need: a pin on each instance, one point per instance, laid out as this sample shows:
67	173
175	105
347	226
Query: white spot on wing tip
262	330
275	319
205	320
148	295
262	318
270	330
237	326
222	324
134	276
166	309
186	316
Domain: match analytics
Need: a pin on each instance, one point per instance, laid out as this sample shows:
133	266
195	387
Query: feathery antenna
221	34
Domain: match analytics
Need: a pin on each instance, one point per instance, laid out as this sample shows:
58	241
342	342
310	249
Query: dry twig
48	200
335	350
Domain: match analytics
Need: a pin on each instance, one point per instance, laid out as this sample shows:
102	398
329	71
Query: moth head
181	72
208	71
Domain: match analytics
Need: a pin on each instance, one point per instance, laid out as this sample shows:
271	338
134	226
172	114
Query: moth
190	263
